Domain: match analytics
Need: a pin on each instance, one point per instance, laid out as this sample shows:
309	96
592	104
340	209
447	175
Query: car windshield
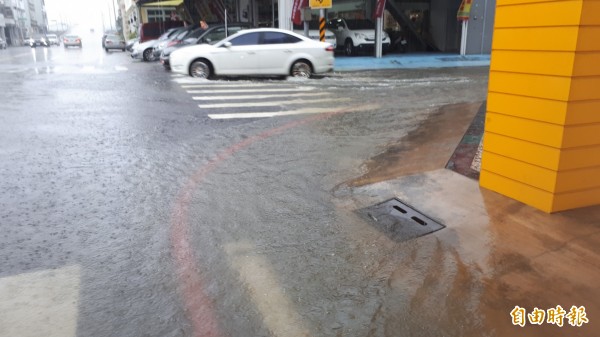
53	36
38	36
71	36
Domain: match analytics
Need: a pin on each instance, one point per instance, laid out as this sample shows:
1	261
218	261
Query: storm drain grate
400	221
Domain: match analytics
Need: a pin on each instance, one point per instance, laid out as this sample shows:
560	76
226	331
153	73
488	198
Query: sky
85	14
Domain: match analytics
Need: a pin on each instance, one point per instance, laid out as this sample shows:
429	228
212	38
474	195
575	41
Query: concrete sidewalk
497	260
409	61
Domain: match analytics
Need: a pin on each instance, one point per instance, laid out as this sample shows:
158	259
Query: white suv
355	35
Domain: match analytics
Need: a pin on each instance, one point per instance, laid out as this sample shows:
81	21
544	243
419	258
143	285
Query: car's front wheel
148	55
301	69
349	48
200	69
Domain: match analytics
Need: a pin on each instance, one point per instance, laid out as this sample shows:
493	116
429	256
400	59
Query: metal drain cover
399	221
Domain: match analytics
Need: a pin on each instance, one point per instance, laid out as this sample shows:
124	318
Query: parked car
113	42
145	50
152	30
2	44
212	35
357	35
165	41
53	39
129	44
37	40
261	51
71	40
314	32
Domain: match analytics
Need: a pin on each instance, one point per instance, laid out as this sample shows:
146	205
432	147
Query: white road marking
213	86
263	287
272	103
238	97
270	114
42	303
120	68
225	91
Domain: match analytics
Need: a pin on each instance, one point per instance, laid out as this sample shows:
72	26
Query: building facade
427	25
21	18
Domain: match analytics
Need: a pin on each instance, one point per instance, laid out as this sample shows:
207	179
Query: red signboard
379	7
297	10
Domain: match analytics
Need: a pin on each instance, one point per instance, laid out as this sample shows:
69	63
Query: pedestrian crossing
246	99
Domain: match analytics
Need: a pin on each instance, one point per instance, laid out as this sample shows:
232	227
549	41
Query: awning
169	3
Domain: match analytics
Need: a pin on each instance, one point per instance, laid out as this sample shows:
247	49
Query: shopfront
425	25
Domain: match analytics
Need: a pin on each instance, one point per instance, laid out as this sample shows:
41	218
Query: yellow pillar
542	130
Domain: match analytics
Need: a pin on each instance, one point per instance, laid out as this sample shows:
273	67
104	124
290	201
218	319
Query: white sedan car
262	51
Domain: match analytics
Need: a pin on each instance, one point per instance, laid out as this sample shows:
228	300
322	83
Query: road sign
316	4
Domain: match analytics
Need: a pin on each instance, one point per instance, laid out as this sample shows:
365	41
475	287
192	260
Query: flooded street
132	207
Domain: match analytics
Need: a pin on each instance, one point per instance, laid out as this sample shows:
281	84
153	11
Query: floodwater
126	211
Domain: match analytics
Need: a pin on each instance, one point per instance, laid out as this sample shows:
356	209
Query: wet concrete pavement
131	213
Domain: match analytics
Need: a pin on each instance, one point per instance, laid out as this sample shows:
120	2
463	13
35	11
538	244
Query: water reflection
45	68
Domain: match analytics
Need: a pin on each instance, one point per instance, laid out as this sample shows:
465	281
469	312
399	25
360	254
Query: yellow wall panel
581	135
587	63
525	129
541	86
532	175
542	131
548	13
590	14
585	87
529	195
583	112
536	62
588	38
578	179
540	109
536	154
536	38
577	199
579	157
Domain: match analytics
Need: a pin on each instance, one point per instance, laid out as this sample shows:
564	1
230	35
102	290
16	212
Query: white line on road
120	68
239	97
40	303
264	288
270	114
249	90
275	103
213	85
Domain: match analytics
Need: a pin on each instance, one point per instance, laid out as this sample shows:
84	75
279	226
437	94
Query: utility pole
115	13
111	24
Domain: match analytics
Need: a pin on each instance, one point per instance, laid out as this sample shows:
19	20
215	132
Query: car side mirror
227	44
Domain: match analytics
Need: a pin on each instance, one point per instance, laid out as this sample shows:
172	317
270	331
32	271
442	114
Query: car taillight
330	48
78	40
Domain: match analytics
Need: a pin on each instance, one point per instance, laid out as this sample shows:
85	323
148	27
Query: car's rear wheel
148	55
301	69
200	69
349	48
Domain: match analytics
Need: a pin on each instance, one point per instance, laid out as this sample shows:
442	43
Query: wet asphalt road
139	215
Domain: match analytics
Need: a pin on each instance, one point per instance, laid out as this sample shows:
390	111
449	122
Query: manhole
400	221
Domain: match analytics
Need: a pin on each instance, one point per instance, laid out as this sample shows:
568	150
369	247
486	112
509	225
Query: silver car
71	41
114	42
